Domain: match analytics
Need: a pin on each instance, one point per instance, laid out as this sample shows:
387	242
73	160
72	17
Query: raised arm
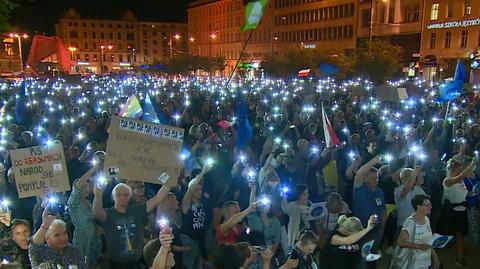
408	186
449	181
253	192
338	240
39	236
237	218
364	169
192	186
98	210
74	199
153	202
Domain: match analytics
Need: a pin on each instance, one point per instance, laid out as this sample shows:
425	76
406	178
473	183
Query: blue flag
328	70
152	113
149	113
245	131
453	89
20	106
460	72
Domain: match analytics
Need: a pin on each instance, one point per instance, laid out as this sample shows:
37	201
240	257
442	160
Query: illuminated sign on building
454	24
309	45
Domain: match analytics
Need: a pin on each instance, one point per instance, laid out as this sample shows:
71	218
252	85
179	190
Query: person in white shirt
424	256
411	180
454	220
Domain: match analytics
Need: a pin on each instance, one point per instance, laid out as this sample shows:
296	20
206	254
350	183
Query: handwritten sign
37	168
142	150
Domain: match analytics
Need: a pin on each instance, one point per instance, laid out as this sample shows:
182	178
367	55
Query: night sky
41	15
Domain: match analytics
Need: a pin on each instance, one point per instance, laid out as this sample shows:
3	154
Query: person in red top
231	229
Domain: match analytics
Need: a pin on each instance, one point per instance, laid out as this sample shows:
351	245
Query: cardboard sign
386	93
142	151
37	168
402	93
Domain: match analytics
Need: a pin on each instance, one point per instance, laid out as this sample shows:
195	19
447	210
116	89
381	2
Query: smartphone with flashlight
54	206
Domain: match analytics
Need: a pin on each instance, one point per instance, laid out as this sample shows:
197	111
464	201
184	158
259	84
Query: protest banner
142	151
402	93
40	167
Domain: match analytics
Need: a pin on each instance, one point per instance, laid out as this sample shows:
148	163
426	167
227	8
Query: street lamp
212	37
170	42
102	48
132	60
72	52
19	37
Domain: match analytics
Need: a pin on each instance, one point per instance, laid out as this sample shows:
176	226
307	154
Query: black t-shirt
194	221
124	233
304	262
343	256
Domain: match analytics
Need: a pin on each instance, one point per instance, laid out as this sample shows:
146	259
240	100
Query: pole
239	58
371	21
446	112
20	52
171	47
101	61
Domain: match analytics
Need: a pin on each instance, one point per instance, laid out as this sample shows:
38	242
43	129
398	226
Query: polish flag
303	73
331	138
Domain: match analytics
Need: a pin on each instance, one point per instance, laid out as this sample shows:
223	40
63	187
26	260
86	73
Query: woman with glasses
416	236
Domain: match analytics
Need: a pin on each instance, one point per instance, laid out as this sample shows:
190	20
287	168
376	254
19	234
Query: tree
338	58
6	8
276	66
378	60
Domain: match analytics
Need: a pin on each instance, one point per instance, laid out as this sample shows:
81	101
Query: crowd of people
399	172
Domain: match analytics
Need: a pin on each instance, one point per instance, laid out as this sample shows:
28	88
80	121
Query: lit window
434	13
468	7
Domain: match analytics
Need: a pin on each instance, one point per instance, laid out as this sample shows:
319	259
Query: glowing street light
170	43
102	49
19	38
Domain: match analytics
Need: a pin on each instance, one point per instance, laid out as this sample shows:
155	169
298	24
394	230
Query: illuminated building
124	42
451	30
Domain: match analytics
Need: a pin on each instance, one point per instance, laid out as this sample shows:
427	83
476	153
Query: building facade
398	21
451	30
119	44
214	28
315	24
9	55
214	31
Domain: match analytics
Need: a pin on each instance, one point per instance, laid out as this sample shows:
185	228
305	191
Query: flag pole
239	58
446	112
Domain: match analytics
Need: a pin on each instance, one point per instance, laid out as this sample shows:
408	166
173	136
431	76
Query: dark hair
229	203
334	197
230	256
298	190
419	199
307	236
150	251
195	172
17	222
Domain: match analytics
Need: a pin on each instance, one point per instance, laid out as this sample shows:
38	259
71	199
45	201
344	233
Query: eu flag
453	89
245	132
